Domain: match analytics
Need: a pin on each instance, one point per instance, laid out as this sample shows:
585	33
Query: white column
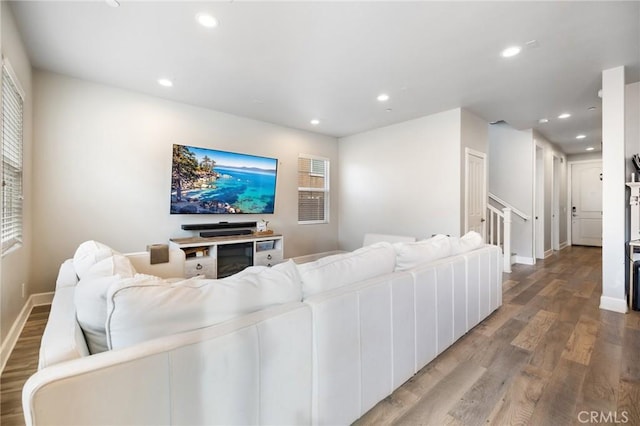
613	191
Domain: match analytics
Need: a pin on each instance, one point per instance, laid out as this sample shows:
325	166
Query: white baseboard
525	260
548	253
613	304
563	245
14	333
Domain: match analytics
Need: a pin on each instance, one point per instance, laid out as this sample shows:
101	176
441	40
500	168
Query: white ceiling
289	62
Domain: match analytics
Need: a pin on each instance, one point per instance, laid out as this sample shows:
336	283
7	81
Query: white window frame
324	190
16	238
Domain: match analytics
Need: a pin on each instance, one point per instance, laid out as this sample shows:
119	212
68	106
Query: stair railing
499	228
499	233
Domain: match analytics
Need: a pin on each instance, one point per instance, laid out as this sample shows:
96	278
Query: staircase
499	228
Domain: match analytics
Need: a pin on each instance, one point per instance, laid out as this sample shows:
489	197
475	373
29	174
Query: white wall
16	264
511	179
474	135
551	150
587	156
402	179
102	164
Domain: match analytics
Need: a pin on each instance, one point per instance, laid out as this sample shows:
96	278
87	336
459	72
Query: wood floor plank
557	404
517	405
600	387
478	402
489	326
531	335
581	342
434	405
552	288
628	406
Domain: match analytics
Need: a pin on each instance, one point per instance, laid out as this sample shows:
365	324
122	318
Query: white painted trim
564	245
548	253
555	202
525	260
538	217
613	304
14	333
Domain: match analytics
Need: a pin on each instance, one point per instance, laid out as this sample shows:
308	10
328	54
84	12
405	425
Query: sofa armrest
62	339
172	269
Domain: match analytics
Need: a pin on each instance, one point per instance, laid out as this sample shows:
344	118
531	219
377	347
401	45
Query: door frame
467	153
538	201
569	195
555	201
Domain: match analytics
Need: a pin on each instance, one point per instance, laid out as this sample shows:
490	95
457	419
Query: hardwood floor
548	356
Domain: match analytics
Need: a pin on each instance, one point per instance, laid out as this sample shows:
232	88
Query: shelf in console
200	241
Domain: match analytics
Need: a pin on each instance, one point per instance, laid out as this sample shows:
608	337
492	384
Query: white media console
219	257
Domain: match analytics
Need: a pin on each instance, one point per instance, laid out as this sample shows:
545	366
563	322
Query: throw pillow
88	254
470	241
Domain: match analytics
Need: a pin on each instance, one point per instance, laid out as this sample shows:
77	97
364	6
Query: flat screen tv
208	181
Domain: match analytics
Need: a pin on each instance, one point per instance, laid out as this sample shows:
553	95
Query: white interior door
476	192
539	203
586	204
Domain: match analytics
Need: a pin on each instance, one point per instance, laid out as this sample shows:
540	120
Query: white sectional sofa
325	360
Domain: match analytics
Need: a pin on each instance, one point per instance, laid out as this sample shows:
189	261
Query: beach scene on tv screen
207	181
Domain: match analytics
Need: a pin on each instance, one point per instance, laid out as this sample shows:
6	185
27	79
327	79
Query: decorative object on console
158	253
208	181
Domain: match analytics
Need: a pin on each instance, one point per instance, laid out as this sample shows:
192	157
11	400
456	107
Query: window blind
313	190
12	120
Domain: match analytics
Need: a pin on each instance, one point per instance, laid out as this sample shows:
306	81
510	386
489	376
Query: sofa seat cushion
410	255
146	307
91	297
342	269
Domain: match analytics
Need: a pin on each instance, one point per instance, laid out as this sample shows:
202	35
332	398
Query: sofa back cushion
468	242
148	307
341	269
410	255
91	298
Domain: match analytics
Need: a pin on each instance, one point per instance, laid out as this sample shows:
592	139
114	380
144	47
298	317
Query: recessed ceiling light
383	97
590	148
315	121
113	3
206	20
165	82
564	115
510	51
543	120
581	136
